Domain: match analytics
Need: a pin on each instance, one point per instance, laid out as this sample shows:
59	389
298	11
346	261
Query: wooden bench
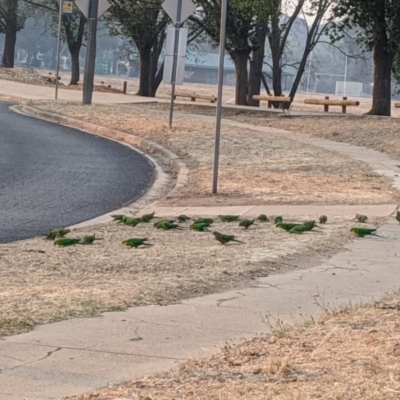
282	100
396	105
50	77
194	96
326	103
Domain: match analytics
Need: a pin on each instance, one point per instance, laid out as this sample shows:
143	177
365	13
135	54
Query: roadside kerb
143	144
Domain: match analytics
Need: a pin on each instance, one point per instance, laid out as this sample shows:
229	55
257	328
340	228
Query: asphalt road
53	176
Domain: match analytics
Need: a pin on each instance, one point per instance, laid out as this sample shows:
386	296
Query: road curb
145	145
13	99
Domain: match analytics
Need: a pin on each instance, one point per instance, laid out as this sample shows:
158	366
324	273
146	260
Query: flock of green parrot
203	225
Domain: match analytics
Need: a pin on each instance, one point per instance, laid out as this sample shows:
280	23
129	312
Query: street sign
67	8
83	5
171	7
169	56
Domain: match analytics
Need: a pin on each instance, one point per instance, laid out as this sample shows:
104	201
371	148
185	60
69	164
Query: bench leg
193	98
269	104
344	109
326	108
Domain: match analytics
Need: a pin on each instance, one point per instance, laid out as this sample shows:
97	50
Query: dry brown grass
256	168
353	354
42	283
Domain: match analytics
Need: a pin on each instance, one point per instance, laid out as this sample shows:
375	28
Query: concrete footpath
72	357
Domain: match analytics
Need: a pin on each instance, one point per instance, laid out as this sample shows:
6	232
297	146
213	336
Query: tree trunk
300	72
145	73
11	34
75	73
256	67
240	58
158	79
382	92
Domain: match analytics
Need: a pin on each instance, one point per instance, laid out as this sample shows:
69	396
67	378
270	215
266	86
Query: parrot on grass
67	242
200	227
300	229
118	217
89	239
147	217
246	223
362	232
207	221
361	218
287	226
166	225
136	242
57	233
131	221
262	218
223	239
170	221
183	218
323	219
228	218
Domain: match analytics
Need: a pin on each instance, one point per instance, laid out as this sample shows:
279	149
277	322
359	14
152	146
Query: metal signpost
90	61
179	11
58	45
224	7
92	10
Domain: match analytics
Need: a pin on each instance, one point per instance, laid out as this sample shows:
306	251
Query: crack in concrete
11	358
49	353
89	350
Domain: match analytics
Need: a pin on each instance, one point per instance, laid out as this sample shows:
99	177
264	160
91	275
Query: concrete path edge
145	145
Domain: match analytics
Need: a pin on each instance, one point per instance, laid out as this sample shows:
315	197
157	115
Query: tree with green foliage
11	21
378	23
144	22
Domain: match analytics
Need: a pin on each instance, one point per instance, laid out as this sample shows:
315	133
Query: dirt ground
255	168
42	283
350	354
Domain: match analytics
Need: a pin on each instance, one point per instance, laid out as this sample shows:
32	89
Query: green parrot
207	221
398	216
278	219
57	233
118	217
136	242
183	218
262	218
89	239
171	221
225	238
287	226
166	225
323	219
67	242
200	227
361	218
363	231
228	218
310	224
300	229
147	217
131	221
246	223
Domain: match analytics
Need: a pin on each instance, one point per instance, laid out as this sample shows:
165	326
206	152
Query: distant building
203	68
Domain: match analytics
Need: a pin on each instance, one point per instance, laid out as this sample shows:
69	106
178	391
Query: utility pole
175	61
224	8
58	45
90	61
